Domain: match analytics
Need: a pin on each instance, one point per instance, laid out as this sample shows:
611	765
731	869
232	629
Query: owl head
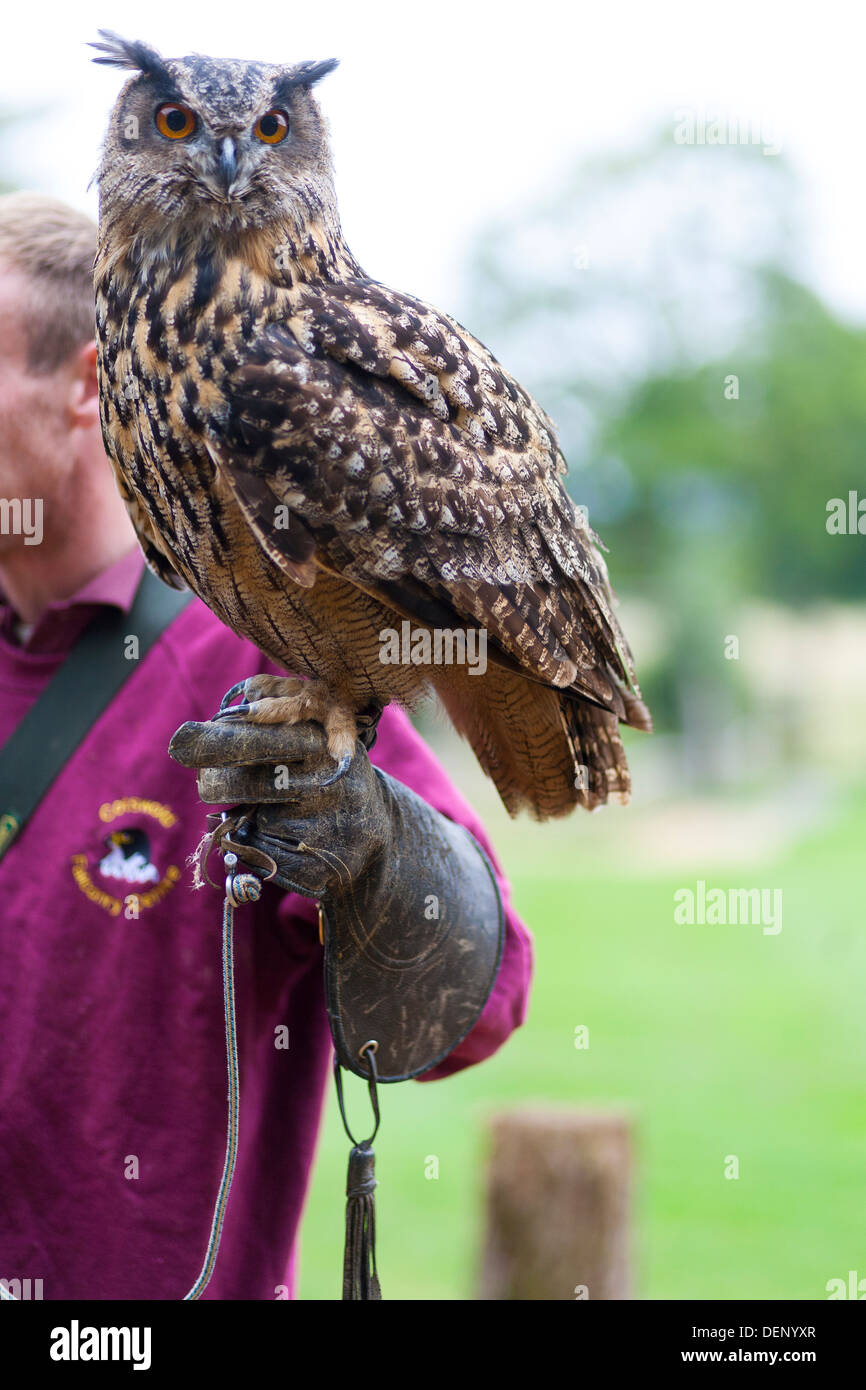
217	143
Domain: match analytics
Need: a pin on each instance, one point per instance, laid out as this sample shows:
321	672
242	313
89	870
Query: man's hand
413	921
321	837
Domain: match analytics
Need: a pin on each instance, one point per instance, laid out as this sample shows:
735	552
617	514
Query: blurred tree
8	121
708	403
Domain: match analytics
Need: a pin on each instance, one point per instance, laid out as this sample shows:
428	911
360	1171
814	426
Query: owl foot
287	700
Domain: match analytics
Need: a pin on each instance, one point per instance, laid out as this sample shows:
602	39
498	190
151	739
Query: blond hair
54	247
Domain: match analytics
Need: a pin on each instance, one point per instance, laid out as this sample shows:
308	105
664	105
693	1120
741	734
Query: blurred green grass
719	1040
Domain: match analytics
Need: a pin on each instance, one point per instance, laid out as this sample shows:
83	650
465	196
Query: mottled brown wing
376	438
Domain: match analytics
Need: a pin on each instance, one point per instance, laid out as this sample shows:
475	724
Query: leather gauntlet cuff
413	943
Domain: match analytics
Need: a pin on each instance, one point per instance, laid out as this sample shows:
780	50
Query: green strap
76	696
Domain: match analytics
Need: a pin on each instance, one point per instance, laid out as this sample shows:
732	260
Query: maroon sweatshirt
112	1051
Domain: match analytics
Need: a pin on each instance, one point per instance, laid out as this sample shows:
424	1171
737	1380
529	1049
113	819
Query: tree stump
558	1206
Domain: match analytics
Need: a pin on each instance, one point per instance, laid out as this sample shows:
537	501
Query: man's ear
84	388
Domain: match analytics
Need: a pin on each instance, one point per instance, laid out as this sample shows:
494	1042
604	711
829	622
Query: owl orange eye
272	127
174	122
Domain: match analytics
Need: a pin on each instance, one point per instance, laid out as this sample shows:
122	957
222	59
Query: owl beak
228	163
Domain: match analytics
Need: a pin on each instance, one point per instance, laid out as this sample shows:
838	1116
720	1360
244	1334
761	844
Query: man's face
34	422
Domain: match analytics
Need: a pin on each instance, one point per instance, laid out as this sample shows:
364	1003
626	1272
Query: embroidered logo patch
129	857
121	873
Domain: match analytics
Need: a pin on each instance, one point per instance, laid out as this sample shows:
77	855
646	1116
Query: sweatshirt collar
63	621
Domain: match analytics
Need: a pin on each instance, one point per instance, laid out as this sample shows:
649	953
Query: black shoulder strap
76	696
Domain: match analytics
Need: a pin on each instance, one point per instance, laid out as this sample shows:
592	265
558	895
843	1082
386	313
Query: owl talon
233	711
342	768
237	689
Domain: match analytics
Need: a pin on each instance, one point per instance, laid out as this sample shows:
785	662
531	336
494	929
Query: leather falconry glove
412	918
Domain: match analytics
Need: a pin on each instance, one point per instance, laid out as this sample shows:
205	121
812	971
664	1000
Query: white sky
445	115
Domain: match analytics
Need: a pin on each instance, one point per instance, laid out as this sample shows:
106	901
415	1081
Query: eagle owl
326	461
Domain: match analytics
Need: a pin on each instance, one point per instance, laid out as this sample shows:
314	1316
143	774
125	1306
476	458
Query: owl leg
287	700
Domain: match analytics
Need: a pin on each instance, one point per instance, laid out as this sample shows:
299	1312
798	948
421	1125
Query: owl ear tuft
128	53
307	74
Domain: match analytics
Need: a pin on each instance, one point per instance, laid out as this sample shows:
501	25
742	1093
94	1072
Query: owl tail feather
545	750
600	766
